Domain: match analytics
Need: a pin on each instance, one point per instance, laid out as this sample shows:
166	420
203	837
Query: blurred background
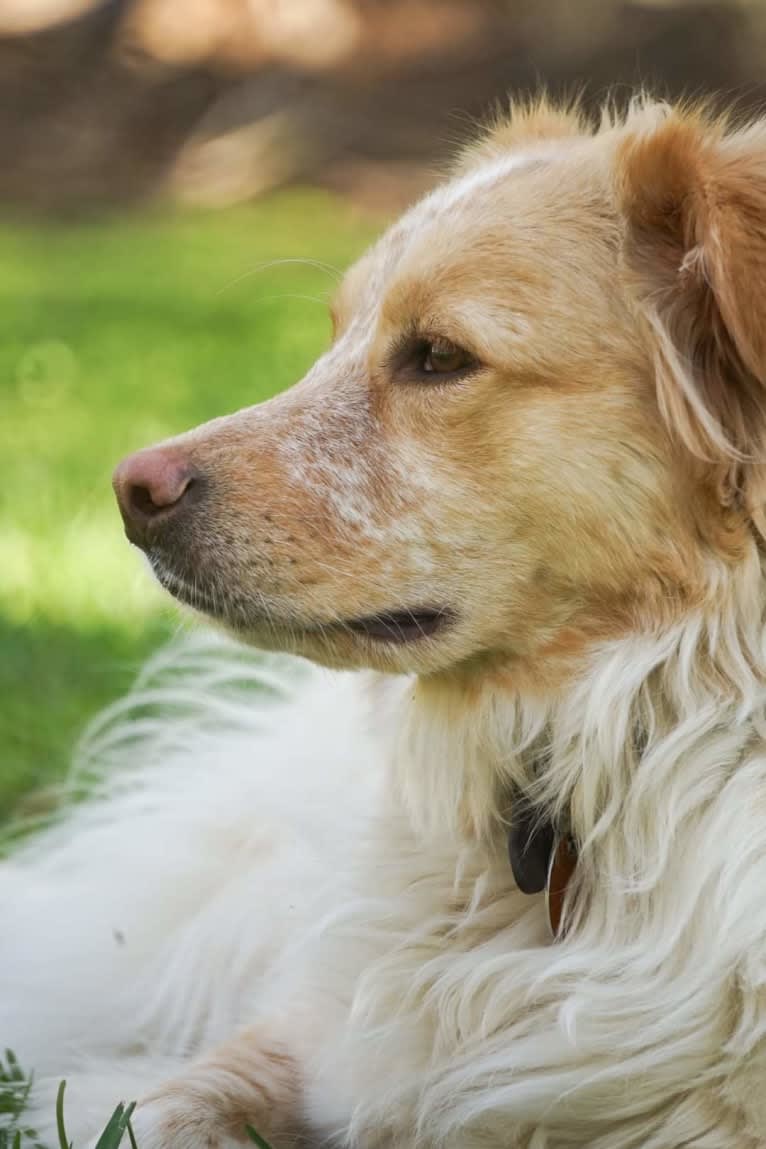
165	165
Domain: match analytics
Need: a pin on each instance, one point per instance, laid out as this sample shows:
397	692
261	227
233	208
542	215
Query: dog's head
535	428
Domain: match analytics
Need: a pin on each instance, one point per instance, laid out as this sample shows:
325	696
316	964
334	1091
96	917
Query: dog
512	523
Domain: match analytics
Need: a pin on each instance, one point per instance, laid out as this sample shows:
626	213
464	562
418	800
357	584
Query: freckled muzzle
164	499
290	523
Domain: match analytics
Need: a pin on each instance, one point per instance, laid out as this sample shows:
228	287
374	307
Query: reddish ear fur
694	197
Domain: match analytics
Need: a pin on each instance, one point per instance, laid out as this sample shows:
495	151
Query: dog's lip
403	625
397	627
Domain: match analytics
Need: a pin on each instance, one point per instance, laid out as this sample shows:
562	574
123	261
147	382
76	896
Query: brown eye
442	357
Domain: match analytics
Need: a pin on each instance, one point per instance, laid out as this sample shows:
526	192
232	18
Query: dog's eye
442	357
435	358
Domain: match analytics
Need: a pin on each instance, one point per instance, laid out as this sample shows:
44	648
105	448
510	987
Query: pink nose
151	487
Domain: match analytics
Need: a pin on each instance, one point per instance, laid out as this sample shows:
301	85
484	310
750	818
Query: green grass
117	333
15	1133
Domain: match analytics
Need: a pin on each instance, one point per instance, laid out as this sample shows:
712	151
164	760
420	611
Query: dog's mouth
401	626
395	627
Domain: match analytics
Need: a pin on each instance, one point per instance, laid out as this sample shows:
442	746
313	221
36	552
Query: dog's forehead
456	209
467	197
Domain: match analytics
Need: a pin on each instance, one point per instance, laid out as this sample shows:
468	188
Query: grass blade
132	1136
63	1143
261	1142
15	1072
116	1127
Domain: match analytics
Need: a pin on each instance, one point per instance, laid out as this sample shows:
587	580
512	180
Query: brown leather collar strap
562	867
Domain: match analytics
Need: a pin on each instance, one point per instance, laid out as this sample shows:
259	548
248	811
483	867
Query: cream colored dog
527	482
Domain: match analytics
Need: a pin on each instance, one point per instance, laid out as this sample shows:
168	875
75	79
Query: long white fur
329	858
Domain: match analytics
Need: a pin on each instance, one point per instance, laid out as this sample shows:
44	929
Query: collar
543	856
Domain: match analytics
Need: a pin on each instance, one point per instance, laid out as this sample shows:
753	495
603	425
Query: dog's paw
179	1120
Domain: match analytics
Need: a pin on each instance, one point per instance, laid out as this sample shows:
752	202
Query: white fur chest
443	1007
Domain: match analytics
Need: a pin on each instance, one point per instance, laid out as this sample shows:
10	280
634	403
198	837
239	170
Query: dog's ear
694	201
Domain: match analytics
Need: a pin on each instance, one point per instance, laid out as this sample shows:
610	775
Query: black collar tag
531	841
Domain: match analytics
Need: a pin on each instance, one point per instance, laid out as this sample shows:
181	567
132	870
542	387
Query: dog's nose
151	486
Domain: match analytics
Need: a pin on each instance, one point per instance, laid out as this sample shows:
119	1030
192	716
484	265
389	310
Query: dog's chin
192	592
403	638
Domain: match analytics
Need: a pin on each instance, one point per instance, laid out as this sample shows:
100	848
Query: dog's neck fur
657	751
640	742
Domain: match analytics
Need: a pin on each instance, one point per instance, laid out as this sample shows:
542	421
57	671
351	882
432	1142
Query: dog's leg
251	1080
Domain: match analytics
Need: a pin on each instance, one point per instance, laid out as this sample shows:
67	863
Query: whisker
318	264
